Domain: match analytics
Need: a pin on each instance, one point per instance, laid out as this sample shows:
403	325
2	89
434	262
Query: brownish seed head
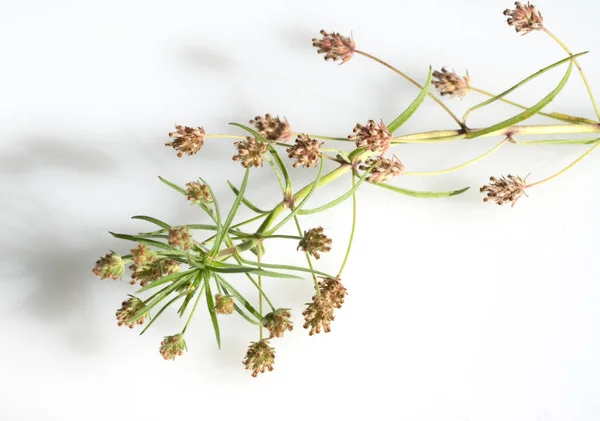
109	266
180	237
525	18
306	151
373	136
250	152
277	322
272	128
383	169
259	357
320	313
129	309
450	83
188	140
314	241
333	290
335	46
143	255
223	304
172	346
198	193
504	189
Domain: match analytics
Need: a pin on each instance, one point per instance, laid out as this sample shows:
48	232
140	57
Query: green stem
414	82
583	77
351	231
260	296
308	259
193	308
458	167
568	167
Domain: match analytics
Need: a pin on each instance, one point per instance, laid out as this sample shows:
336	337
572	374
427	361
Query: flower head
306	151
333	290
319	314
314	241
198	193
335	46
505	189
374	136
188	140
259	357
143	255
129	309
153	271
272	128
180	237
383	169
450	83
172	346
277	322
223	304
525	18
109	266
250	152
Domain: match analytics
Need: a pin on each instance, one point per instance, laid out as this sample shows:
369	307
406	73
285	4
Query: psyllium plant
175	270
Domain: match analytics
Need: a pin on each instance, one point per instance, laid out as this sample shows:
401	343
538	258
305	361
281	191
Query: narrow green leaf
421	194
165	279
406	114
154	221
211	309
217	216
139	239
234	208
230	290
244	200
521	83
286	267
160	312
190	296
159	297
225	268
173	186
527	113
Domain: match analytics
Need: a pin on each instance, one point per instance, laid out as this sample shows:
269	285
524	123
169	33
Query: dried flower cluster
250	152
524	18
504	189
131	307
277	322
198	193
314	241
260	357
272	128
319	314
188	140
451	84
306	152
109	266
335	46
172	346
374	136
382	169
180	237
224	304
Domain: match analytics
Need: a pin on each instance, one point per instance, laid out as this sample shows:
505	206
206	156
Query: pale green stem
194	308
351	232
583	77
308	259
224	136
260	296
458	167
414	82
568	167
556	116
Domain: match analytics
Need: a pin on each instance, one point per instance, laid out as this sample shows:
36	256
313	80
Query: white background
457	310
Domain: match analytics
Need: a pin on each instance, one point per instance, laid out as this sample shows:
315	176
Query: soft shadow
206	57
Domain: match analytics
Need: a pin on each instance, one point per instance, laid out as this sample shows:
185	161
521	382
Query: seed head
384	169
143	255
153	271
318	315
180	237
172	346
450	83
373	136
333	290
272	128
198	193
260	357
109	266
250	152
129	309
306	151
223	304
314	241
277	322
525	18
335	46
188	140
505	189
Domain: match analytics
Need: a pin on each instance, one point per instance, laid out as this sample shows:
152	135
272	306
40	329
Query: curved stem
583	77
351	232
458	167
568	167
414	82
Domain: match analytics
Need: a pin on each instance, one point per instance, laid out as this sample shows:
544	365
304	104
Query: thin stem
341	139
556	116
559	142
568	167
308	259
260	296
583	77
194	308
351	231
414	82
458	167
224	136
276	171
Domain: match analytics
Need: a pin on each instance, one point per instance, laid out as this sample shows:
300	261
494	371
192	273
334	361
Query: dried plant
173	267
